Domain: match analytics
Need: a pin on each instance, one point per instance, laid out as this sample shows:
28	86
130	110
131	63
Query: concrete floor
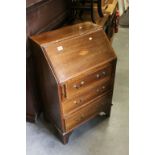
99	136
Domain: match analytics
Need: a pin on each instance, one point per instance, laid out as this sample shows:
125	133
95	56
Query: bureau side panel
48	88
114	62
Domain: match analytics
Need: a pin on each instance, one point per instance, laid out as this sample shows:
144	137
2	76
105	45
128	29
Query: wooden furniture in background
109	20
88	5
76	71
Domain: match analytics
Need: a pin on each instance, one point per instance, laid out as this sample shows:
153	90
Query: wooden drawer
93	91
75	85
99	105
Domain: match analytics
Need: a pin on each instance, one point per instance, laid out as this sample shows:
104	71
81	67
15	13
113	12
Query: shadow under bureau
75	68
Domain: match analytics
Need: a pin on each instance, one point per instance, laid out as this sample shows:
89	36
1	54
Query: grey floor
99	136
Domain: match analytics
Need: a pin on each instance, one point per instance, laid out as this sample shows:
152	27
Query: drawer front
76	85
99	105
83	97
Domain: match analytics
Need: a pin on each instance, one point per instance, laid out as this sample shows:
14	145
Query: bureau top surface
65	33
76	55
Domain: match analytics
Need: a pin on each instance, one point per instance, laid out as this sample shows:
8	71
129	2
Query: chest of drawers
75	66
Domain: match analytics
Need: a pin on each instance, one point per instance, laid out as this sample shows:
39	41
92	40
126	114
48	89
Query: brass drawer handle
90	38
98	76
80	85
100	90
77	103
82	82
97	90
75	86
103	87
104	73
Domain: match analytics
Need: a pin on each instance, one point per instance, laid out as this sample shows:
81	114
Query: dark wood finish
45	15
101	74
31	97
30	3
51	110
64	33
90	110
88	5
82	5
41	15
78	67
74	57
99	6
83	97
64	137
92	11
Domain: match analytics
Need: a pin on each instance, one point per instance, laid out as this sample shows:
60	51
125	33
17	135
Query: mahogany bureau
76	68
